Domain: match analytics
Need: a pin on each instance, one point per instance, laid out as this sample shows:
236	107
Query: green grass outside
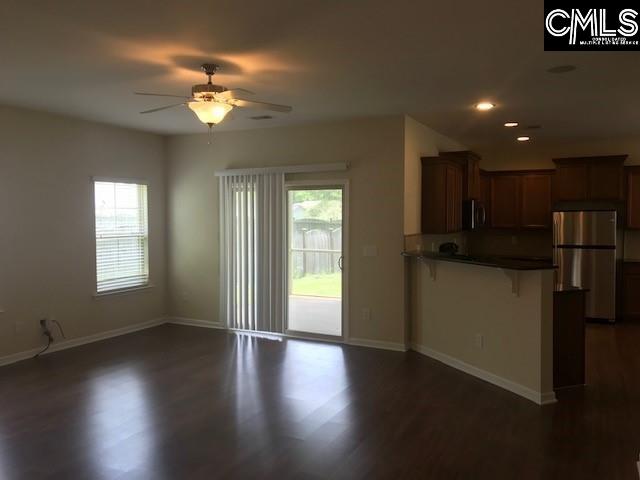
329	285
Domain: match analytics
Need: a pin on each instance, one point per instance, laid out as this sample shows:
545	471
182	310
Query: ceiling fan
211	102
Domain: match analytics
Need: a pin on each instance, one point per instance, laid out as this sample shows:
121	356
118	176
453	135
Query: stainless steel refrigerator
586	248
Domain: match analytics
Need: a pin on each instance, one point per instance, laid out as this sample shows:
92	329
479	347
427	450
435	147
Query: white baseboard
364	342
194	322
75	342
536	397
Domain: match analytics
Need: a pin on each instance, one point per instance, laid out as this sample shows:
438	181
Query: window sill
122	291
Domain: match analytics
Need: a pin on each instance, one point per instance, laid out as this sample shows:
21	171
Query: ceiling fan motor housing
206	90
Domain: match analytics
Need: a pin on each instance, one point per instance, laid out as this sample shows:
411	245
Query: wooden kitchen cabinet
535	202
442	194
520	199
485	196
470	163
568	338
505	195
571	181
631	289
633	197
606	178
453	206
589	178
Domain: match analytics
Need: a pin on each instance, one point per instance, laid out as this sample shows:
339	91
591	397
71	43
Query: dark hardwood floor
187	403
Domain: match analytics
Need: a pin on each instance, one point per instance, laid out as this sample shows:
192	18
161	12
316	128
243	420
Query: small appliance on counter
448	248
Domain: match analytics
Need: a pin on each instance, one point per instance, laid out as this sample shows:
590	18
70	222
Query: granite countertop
508	263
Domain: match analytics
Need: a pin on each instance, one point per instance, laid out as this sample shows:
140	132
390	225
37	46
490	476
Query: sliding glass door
315	259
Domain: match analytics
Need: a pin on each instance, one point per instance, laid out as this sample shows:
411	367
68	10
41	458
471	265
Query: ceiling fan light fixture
210	112
484	106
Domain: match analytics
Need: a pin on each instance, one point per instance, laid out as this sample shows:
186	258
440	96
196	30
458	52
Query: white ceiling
329	59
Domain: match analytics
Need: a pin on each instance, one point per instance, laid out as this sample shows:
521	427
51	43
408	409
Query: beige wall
374	149
47	261
533	155
466	300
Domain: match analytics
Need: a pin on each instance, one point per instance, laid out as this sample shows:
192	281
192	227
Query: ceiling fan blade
163	108
238	102
233	92
161	95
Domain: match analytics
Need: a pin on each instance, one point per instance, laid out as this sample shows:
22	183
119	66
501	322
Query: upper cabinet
571	181
520	199
442	194
633	197
535	200
505	192
589	178
448	180
470	163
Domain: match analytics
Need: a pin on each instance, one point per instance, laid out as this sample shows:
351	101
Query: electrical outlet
46	330
366	314
479	340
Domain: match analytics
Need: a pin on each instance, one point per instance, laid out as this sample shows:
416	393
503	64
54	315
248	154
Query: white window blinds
121	235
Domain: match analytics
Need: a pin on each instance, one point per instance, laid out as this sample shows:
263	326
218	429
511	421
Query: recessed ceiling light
562	69
524	138
484	106
511	124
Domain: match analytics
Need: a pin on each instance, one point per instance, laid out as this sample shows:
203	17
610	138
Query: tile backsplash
431	242
511	243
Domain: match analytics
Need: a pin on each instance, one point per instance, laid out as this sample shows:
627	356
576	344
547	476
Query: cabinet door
473	179
485	197
606	181
434	198
572	182
633	198
631	289
453	180
505	207
536	201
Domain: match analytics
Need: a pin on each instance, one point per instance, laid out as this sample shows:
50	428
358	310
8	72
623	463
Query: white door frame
342	183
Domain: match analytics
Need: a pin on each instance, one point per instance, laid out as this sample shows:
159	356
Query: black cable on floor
44	349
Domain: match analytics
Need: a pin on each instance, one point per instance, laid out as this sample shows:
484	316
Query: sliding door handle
340	262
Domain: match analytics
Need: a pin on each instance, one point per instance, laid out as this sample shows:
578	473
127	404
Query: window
122	259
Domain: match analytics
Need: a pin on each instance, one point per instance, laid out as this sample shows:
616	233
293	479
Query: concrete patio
320	315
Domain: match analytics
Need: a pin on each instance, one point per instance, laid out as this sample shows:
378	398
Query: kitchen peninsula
489	317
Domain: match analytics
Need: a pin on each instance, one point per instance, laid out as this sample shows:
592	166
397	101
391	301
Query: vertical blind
252	251
121	235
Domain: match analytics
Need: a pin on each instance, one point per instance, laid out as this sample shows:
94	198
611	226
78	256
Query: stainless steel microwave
474	215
